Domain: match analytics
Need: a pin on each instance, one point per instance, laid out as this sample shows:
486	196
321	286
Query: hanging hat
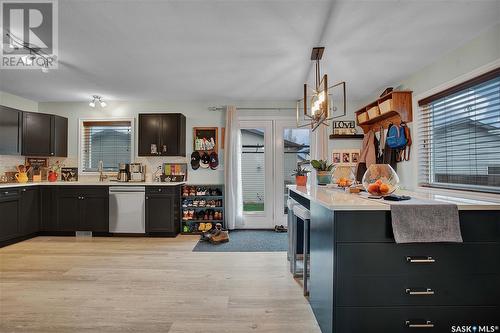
195	160
214	161
205	161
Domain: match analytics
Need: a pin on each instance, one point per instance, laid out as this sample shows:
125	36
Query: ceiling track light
97	99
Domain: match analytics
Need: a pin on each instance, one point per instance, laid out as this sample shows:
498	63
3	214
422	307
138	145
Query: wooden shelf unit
346	136
401	111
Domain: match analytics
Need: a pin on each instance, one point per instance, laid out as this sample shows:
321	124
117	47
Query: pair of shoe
187	214
280	228
217	235
204	227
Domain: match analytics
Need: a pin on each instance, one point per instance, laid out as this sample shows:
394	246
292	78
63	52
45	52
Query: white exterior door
270	150
257	173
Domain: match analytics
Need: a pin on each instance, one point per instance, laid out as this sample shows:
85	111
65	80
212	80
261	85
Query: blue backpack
396	137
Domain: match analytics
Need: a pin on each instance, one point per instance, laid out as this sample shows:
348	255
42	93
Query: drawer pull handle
427	324
427	291
420	260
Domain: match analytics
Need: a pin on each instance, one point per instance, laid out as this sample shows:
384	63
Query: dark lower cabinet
9	214
48	200
30	210
82	209
162	210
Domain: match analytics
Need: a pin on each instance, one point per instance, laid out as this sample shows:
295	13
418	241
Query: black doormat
248	241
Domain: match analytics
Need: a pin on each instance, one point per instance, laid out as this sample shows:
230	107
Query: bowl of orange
380	180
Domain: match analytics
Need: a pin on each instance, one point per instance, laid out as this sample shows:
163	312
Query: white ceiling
244	50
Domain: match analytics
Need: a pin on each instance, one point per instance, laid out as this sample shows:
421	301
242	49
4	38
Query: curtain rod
220	108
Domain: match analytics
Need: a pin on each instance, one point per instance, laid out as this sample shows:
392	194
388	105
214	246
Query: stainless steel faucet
102	177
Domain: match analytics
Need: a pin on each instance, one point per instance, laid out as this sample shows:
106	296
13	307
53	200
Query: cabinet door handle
147	198
426	324
425	292
420	260
24	190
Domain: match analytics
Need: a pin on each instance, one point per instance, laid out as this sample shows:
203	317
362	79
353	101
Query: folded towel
425	221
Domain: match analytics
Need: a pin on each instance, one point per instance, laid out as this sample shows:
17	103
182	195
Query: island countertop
337	199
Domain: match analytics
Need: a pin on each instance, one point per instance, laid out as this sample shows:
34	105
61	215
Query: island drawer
375	226
409	259
414	319
424	289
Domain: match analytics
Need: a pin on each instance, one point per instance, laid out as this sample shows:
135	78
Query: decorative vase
323	177
380	180
52	177
21	177
301	180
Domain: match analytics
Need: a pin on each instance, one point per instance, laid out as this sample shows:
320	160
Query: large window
109	141
460	131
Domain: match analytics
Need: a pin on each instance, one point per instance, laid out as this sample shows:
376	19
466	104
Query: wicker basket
373	112
386	106
362	117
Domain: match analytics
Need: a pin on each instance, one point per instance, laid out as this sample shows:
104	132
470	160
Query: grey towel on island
424	221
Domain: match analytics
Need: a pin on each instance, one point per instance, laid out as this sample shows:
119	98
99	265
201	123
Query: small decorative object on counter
174	172
54	171
300	175
380	180
69	174
343	175
323	171
22	174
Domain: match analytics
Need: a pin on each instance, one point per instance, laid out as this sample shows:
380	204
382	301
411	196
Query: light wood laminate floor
64	284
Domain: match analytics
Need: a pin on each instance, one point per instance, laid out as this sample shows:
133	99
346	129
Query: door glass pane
253	169
296	146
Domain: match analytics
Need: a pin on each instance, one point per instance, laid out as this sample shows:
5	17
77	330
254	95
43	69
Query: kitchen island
362	281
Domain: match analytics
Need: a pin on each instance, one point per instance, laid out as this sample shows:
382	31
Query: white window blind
460	136
107	141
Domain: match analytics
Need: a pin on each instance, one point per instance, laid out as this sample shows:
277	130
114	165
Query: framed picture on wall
205	139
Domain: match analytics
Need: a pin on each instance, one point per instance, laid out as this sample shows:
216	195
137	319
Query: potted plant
300	175
323	171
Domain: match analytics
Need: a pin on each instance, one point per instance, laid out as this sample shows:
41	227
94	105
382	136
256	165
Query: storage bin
386	106
373	112
362	117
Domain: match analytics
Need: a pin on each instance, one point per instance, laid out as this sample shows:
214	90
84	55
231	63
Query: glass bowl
380	179
343	175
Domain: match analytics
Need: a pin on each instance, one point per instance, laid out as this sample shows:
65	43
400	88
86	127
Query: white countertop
89	183
337	199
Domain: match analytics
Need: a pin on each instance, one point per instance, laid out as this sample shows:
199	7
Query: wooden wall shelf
346	136
400	111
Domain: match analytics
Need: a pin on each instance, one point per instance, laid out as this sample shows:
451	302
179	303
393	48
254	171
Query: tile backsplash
9	162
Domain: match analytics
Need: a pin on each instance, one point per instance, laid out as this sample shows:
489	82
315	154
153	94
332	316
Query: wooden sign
344	127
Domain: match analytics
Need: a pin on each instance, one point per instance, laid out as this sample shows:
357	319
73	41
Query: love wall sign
344	127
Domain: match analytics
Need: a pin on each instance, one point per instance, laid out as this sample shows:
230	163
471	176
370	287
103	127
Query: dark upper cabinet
10	131
30	210
44	135
162	210
165	130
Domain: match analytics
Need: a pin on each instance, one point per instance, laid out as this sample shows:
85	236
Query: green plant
321	165
300	171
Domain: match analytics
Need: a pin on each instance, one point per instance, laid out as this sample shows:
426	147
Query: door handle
420	260
426	324
425	292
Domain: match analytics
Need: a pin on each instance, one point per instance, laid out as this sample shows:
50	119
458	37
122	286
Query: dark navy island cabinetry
362	281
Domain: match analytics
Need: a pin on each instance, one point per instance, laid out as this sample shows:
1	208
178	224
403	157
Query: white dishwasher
127	209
